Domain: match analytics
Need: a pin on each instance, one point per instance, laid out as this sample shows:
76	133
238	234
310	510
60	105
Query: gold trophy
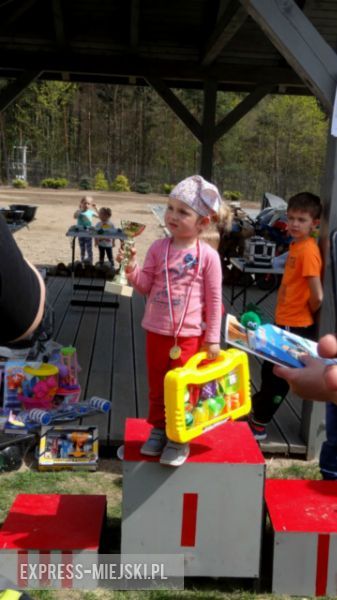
120	285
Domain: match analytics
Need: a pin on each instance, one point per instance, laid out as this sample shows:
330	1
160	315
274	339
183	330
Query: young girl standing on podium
182	279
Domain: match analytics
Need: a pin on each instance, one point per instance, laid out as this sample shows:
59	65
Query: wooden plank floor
111	352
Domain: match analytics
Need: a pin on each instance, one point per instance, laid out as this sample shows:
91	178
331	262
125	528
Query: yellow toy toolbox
199	396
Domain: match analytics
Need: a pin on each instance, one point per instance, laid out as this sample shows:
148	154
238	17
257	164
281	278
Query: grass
31	481
108	480
292	469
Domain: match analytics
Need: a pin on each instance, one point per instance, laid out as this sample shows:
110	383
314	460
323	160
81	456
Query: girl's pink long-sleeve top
204	309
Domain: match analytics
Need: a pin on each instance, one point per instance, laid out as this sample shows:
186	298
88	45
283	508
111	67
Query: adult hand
327	347
315	381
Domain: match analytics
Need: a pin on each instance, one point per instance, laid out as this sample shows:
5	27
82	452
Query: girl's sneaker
258	430
155	443
174	454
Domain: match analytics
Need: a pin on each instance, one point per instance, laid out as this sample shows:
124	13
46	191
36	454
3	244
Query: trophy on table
119	285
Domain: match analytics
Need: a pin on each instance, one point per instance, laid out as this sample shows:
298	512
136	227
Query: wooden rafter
60	34
300	43
59	24
134	23
242	109
14	89
133	65
177	106
134	32
208	128
227	26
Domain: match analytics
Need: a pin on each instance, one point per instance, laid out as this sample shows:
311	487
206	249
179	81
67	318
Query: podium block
55	528
303	515
209	509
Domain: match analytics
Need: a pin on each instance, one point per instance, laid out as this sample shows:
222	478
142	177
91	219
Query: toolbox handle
194	361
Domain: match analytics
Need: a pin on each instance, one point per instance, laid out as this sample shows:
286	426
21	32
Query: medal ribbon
169	291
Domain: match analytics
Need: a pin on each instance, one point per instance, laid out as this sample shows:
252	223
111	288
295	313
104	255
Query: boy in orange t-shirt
299	297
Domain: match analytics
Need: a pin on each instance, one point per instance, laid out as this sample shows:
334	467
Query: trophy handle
121	278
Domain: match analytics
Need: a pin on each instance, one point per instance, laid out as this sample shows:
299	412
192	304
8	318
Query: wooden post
208	128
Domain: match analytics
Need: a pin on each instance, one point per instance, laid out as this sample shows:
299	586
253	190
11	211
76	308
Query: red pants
158	363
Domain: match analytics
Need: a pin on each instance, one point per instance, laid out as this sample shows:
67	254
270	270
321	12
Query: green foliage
232	195
19	183
278	146
167	188
143	187
54	182
120	184
85	183
100	182
41	119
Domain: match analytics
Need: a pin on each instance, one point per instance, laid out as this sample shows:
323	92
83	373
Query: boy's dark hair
106	210
306	202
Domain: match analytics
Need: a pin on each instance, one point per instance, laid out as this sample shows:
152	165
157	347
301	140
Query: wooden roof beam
300	43
59	24
242	109
14	89
290	90
226	27
133	65
134	24
60	34
134	32
177	106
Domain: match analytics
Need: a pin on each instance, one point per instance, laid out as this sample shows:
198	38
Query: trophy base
122	289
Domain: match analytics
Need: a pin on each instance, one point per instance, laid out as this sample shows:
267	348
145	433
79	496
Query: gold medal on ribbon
175	352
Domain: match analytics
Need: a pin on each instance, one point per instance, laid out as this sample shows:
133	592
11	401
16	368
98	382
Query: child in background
218	226
84	215
182	279
299	297
105	245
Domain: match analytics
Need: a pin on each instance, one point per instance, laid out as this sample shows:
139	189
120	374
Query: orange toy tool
79	438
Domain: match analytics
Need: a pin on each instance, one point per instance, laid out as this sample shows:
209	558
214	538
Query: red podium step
58	525
303	515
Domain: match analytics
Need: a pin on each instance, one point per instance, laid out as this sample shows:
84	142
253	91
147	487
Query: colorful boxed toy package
271	343
68	447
